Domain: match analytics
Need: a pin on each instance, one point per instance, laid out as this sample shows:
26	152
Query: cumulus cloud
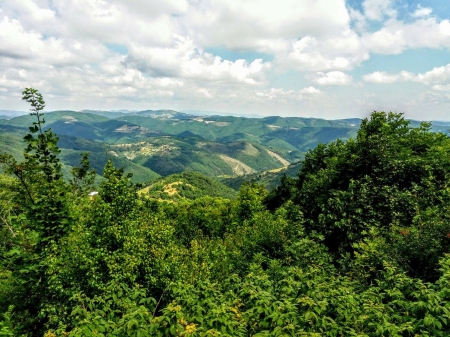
341	52
310	91
396	36
436	75
440	87
422	11
106	21
330	78
384	77
267	24
32	16
377	9
274	96
16	42
386	41
185	60
185	53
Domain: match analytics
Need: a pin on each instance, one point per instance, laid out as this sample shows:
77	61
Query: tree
391	177
40	194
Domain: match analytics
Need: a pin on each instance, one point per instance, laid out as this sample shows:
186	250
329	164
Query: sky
311	58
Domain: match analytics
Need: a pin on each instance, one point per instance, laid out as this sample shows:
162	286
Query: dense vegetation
356	245
269	179
186	185
150	144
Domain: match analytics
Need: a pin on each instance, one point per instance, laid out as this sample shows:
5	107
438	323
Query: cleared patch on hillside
69	119
144	190
131	129
278	157
238	167
131	151
273	127
250	150
171	189
275	170
222	124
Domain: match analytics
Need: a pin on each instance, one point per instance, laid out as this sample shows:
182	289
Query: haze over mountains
155	143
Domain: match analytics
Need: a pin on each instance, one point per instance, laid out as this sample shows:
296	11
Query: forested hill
150	143
186	185
357	244
159	143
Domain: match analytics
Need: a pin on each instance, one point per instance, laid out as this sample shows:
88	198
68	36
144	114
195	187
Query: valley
151	144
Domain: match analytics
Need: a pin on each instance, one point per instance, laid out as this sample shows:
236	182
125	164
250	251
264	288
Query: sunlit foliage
356	245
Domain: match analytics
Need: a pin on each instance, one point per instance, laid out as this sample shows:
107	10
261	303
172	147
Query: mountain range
155	143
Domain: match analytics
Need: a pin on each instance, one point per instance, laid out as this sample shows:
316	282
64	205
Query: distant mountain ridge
154	143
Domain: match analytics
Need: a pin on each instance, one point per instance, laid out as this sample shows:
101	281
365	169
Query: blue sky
314	58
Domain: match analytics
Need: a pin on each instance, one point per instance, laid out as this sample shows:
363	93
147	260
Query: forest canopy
356	245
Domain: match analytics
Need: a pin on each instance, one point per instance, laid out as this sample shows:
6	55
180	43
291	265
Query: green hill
187	185
356	245
154	143
11	140
269	179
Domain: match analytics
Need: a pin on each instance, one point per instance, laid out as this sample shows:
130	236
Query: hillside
187	185
11	140
353	245
155	143
269	179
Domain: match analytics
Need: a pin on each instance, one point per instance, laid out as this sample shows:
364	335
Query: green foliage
120	311
6	328
202	217
250	201
187	185
150	144
39	196
282	193
392	177
41	151
270	179
83	175
357	245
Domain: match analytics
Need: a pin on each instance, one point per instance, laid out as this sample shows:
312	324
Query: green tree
39	194
391	177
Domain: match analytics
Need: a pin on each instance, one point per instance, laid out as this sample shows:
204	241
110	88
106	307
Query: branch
8	225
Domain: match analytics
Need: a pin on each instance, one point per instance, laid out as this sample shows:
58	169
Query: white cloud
358	19
182	53
396	36
377	9
310	91
32	16
17	43
116	21
386	41
436	75
153	9
267	24
281	96
330	78
440	87
428	33
422	11
380	77
384	77
341	52
204	92
305	56
185	60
